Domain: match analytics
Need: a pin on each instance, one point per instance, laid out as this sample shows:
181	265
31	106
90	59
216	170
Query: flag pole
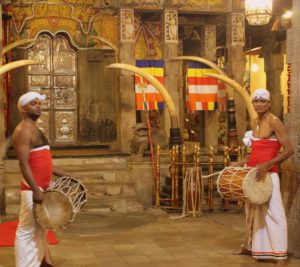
143	86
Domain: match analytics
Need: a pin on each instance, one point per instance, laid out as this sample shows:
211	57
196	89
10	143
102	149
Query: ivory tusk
15	44
208	63
156	84
103	40
202	60
239	89
17	64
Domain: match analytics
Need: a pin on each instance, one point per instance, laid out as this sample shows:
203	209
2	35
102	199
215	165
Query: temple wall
290	172
90	25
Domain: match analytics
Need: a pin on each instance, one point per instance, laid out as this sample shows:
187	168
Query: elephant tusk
17	64
103	40
15	44
202	60
156	84
239	89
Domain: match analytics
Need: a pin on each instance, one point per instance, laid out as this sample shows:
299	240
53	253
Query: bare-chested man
266	227
35	163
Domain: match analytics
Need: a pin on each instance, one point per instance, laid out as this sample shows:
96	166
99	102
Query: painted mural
205	5
147	44
80	22
142	3
77	2
201	5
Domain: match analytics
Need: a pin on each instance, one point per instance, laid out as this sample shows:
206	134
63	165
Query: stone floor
149	239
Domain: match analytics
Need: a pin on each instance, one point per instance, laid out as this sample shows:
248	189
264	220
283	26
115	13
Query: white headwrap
261	94
28	97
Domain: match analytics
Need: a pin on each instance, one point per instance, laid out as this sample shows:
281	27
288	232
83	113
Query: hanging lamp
258	12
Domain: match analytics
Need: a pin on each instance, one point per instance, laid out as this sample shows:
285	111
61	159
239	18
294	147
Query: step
85	177
12	209
110	189
12	192
12	195
113	204
77	164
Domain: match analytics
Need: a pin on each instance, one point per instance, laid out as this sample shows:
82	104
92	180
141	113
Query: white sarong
31	245
266	226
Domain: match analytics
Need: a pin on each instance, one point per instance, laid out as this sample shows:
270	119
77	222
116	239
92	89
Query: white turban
28	97
261	94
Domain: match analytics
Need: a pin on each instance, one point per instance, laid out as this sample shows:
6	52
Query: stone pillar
170	50
235	67
126	95
273	68
2	125
290	176
208	50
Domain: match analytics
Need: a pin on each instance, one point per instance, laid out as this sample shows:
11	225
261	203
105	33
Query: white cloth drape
31	245
266	226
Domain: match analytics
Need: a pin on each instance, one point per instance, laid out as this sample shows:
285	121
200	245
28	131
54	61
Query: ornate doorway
56	77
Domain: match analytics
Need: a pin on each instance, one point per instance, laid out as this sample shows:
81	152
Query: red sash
40	163
262	151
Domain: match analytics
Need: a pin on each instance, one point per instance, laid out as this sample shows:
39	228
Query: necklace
261	120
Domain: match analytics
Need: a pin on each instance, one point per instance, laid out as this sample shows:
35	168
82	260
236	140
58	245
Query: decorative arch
79	22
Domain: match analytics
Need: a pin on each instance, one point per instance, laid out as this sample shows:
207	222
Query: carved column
273	68
208	50
235	67
290	174
2	124
170	49
127	97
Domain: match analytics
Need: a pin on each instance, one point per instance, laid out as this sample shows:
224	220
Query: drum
237	183
63	199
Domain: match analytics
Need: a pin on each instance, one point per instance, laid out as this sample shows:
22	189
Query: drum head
55	212
257	192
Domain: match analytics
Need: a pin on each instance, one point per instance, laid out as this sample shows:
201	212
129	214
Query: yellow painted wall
258	78
284	77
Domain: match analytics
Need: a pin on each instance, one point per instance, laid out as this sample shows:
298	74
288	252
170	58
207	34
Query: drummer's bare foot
282	263
242	251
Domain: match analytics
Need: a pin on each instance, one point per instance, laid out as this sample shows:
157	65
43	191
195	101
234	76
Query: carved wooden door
56	78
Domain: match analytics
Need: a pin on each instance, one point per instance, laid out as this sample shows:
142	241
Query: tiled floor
150	239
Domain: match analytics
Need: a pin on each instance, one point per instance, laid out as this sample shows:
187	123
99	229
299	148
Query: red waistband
263	151
40	163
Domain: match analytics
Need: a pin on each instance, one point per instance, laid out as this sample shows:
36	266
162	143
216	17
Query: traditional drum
238	183
62	201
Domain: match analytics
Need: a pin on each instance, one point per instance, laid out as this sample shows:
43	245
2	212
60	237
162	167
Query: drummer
266	227
33	152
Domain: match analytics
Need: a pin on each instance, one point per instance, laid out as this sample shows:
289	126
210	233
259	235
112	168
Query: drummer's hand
261	170
37	196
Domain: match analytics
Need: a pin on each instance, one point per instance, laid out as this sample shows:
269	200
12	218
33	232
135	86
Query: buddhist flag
203	91
147	97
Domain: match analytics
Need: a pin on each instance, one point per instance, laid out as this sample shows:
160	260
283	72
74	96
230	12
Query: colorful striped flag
203	91
146	95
